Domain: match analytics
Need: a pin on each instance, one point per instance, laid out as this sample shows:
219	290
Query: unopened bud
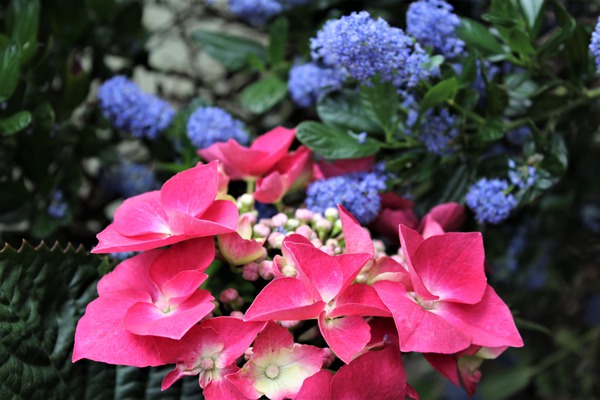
331	214
292	224
304	215
237	314
306	231
265	269
261	230
250	271
291	324
276	239
279	220
251	216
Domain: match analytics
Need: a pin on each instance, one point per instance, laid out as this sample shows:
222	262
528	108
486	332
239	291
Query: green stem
468	113
279	206
250	184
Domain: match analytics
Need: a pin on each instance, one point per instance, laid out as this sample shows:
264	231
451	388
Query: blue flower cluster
256	12
130	179
519	136
438	130
489	201
366	47
128	108
524	176
209	125
433	24
57	208
595	45
358	192
308	82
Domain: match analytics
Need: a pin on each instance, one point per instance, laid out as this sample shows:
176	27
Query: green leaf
381	103
502	385
44	116
497	99
263	95
520	42
478	36
277	41
231	51
469	71
531	9
344	110
9	67
15	123
492	130
439	93
334	143
22	22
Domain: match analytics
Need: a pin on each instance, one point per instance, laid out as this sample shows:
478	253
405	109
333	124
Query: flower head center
207	363
272	371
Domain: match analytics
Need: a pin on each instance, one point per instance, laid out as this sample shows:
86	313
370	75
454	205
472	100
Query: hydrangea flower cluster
366	47
437	131
130	179
489	199
58	207
128	108
359	192
209	125
308	82
595	45
433	23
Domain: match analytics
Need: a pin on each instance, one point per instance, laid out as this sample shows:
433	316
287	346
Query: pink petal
451	266
357	238
490	322
221	217
284	299
341	167
383	333
101	336
111	241
386	380
445	217
182	286
420	330
276	142
346	336
237	336
194	254
359	299
445	364
351	265
142	215
131	274
319	269
222	389
148	320
272	338
192	191
200	341
410	241
271	188
239	251
243	380
316	387
238	161
297	168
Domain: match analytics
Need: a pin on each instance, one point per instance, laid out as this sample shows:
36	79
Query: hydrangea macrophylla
292	171
366	47
323	288
153	294
209	125
308	82
433	24
374	375
448	305
325	169
447	217
128	108
278	366
239	248
210	350
184	208
253	162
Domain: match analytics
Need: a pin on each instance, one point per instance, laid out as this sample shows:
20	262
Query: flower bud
265	269
250	271
261	231
276	239
237	314
305	231
332	214
290	324
292	224
304	215
279	220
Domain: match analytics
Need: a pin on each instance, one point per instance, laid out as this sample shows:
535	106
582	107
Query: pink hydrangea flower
153	294
185	208
278	366
238	248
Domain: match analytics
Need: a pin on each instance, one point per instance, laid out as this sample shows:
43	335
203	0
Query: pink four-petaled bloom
185	208
152	295
447	305
278	366
251	162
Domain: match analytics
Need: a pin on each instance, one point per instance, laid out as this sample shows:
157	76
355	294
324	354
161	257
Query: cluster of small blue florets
595	45
57	208
209	125
358	192
524	176
438	130
519	135
433	23
257	12
129	179
128	108
489	200
366	47
308	82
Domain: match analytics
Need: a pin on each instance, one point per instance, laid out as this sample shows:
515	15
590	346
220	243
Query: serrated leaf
22	23
439	93
277	41
334	143
263	95
344	110
231	51
15	123
9	67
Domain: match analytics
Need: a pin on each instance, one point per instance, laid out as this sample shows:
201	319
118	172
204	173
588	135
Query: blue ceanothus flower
258	12
209	125
489	200
308	82
129	179
437	131
58	207
366	47
433	23
595	45
358	192
128	108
